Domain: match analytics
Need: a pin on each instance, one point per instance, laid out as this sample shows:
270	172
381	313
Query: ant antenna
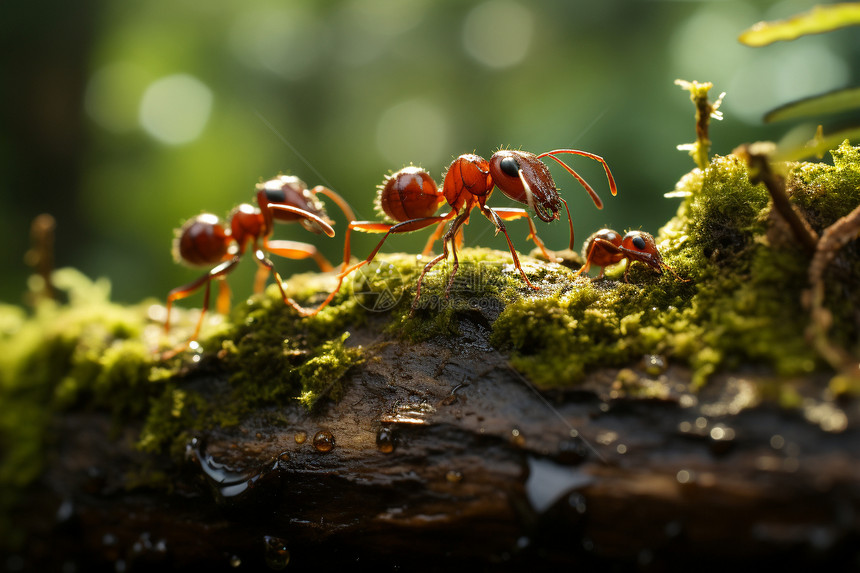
613	188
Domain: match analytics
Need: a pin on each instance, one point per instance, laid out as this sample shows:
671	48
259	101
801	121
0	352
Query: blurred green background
122	119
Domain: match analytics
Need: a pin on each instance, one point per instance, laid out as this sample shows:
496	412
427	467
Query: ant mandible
410	197
607	247
205	240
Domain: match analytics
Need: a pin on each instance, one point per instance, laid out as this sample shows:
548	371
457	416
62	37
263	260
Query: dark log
444	457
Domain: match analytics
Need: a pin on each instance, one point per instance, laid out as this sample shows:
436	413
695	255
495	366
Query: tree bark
446	457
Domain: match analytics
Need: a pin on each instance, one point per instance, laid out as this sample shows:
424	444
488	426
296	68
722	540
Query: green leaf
830	102
819	19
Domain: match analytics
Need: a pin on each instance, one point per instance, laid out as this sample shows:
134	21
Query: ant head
640	246
292	191
408	194
524	178
202	241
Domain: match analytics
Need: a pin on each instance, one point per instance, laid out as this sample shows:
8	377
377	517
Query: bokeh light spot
284	41
175	109
498	33
412	131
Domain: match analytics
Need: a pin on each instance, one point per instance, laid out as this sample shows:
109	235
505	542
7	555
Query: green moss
92	354
741	305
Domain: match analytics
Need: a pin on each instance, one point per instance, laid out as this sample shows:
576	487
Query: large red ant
607	247
410	198
205	240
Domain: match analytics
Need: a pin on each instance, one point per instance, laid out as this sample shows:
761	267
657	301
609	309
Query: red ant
606	247
410	197
204	241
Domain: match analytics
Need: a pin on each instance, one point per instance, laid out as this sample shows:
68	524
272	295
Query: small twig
757	158
41	254
832	240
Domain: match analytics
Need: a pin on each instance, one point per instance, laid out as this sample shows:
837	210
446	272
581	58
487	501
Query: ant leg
367	227
262	260
297	250
449	236
510	214
608	246
290	250
388	229
222	303
455	267
184	291
428	248
339	201
494	218
372	227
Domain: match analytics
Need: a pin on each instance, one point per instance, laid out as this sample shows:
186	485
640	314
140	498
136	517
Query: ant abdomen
409	194
201	241
605	252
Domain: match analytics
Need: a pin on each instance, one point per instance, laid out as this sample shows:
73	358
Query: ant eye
276	195
639	243
510	166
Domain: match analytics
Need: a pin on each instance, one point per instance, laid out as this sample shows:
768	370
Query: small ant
606	247
410	198
205	240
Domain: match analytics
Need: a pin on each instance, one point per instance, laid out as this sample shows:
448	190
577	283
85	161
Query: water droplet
385	440
66	511
235	561
621	449
654	364
683	476
277	554
577	502
324	441
225	480
517	438
301	437
722	433
777	442
454	476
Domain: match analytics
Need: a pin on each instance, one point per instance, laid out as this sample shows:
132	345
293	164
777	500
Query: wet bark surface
441	456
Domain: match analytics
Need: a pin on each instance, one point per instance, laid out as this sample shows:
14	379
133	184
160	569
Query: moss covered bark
736	306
